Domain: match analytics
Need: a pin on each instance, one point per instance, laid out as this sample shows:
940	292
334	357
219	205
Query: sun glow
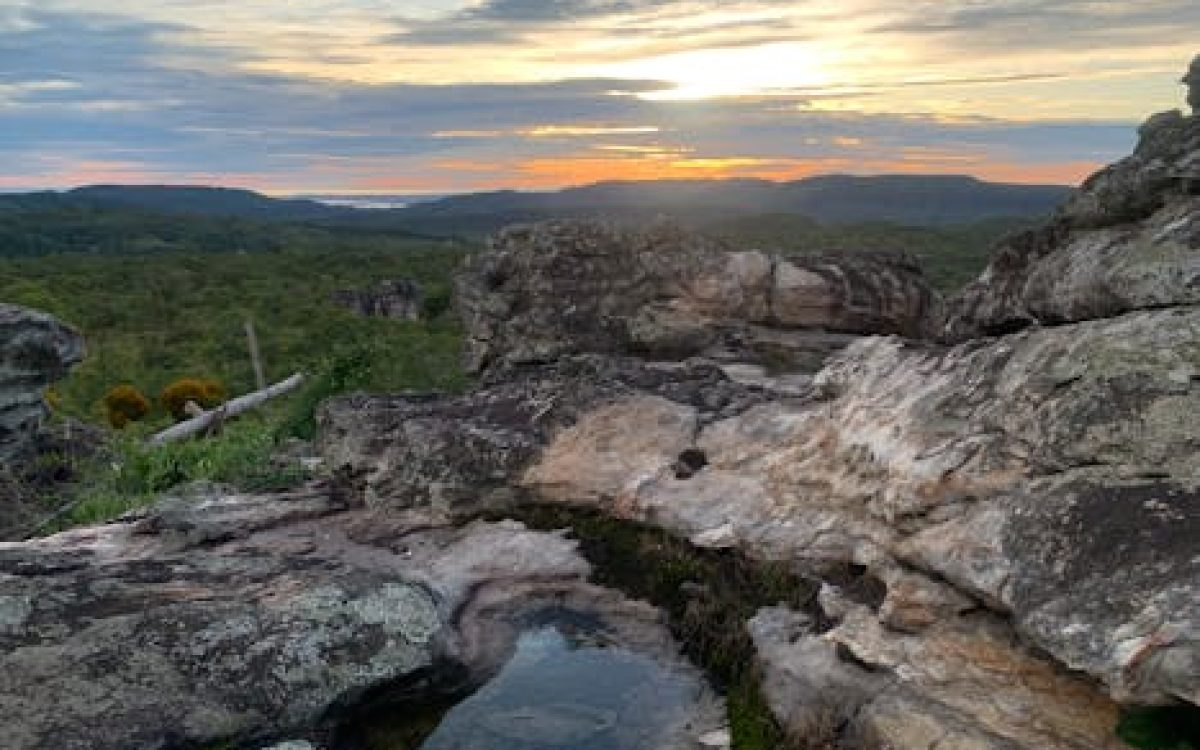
781	67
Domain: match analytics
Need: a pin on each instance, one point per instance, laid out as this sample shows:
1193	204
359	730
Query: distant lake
372	202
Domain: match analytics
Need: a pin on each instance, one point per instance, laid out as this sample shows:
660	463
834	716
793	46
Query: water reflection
571	692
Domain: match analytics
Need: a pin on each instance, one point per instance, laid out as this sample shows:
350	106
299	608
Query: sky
439	96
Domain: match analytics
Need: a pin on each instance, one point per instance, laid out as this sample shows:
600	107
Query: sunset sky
295	96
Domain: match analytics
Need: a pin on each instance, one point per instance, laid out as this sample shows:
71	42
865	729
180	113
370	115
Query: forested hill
921	200
206	201
906	199
38	224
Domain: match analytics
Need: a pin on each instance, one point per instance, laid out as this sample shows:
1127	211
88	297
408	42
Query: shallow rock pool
569	689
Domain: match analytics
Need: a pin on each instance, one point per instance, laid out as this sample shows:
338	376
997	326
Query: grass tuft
135	473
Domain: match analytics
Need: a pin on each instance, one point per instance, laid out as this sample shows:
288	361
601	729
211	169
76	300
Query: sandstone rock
568	287
1034	489
965	684
860	293
1089	274
956	475
35	351
465	452
807	685
255	618
397	300
1125	241
559	288
967	462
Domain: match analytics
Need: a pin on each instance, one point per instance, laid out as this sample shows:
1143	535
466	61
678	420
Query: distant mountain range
922	200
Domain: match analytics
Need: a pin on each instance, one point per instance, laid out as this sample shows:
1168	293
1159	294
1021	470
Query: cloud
148	98
1097	36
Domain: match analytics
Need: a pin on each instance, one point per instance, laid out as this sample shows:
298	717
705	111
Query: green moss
404	728
751	724
1161	727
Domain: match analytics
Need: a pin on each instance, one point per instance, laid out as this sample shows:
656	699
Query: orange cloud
602	162
62	172
599	163
576	170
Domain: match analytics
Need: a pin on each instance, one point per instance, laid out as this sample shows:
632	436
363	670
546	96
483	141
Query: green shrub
344	372
206	393
124	404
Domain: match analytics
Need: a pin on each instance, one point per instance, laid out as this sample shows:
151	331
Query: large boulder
567	287
1126	240
35	351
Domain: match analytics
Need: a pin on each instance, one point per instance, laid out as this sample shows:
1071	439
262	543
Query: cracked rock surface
218	616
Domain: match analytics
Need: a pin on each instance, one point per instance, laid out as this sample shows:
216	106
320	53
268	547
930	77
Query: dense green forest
151	318
46	224
160	297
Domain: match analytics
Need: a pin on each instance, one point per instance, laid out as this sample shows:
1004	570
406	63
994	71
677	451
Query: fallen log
231	408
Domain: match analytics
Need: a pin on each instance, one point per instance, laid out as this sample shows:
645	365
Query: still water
572	693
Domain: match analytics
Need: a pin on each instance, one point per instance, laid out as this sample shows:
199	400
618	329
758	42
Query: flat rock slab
219	616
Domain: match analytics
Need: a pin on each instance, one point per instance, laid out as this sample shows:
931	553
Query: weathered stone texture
569	287
36	350
221	617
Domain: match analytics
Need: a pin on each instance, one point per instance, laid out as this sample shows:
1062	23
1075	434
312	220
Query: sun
778	67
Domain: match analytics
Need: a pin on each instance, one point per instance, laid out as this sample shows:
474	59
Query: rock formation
566	287
402	451
396	300
1027	494
35	351
219	617
1125	241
